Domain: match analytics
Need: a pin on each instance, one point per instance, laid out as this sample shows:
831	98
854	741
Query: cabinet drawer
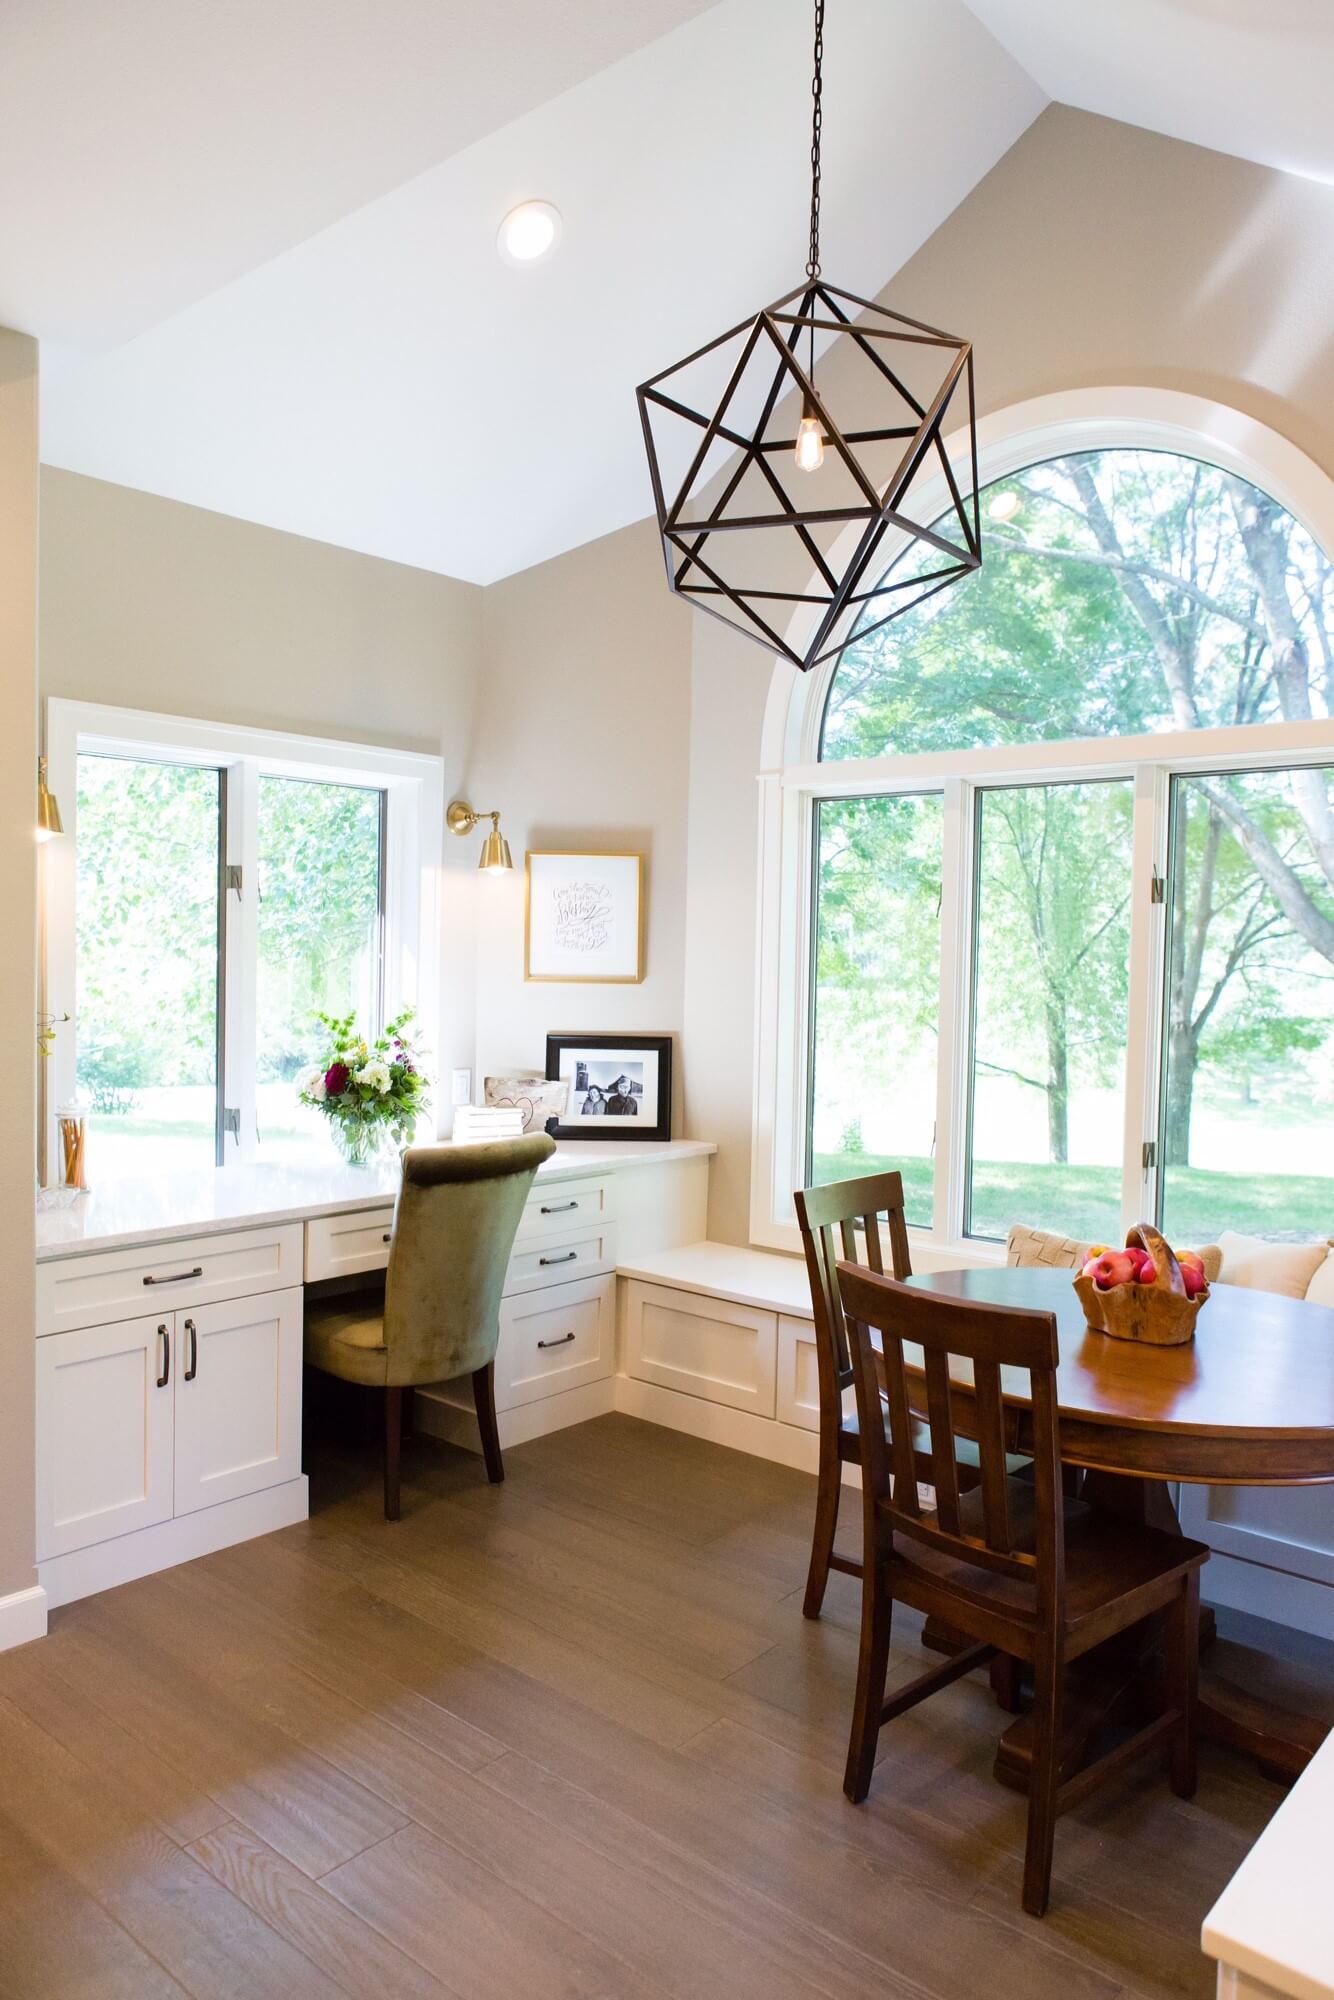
701	1346
557	1259
564	1207
338	1245
555	1339
166	1277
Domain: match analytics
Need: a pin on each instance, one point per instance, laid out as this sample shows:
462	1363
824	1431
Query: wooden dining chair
1015	1564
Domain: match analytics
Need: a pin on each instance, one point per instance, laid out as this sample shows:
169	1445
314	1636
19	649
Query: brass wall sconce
48	811
495	855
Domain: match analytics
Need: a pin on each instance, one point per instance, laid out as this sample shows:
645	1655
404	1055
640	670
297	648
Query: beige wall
18	962
1093	254
583	741
149	604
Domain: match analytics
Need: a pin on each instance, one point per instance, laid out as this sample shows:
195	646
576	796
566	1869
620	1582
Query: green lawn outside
1085	1202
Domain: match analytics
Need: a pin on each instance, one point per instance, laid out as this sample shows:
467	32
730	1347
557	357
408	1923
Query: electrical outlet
461	1087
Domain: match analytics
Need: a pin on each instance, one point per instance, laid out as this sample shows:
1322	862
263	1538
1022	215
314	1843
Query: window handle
177	1277
564	1341
164	1356
193	1368
559	1208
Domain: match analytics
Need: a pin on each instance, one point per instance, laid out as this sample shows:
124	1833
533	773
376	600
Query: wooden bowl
1159	1314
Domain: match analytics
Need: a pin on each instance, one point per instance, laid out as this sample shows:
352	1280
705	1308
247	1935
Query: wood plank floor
569	1737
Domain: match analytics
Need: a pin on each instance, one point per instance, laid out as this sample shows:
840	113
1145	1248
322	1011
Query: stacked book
475	1122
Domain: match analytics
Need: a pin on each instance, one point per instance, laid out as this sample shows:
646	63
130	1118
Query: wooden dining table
1248	1402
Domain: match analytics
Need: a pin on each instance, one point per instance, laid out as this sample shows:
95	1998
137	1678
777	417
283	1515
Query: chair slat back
989	1338
829	1218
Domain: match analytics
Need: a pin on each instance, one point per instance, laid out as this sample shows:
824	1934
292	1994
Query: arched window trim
792	778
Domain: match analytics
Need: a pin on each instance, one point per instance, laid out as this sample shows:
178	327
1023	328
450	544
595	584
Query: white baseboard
456	1425
128	1557
742	1430
22	1616
1275	1594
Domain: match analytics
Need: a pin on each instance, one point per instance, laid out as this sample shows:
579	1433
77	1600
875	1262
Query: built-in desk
169	1337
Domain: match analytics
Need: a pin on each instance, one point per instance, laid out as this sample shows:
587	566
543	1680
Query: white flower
317	1088
375	1076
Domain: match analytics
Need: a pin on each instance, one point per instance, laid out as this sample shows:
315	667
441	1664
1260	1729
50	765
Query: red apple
1114	1267
1185	1257
1143	1264
1193	1278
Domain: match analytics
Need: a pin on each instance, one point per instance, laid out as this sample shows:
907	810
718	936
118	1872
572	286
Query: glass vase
357	1140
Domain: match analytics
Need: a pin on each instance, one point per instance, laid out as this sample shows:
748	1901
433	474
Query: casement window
1050	916
220	888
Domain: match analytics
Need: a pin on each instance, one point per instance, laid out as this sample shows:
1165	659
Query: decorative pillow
1212	1259
1320	1291
1039	1247
1270	1267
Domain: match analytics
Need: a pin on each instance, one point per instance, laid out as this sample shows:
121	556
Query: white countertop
762	1278
155	1208
1275	1919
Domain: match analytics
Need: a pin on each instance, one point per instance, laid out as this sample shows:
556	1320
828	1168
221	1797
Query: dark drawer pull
568	1258
388	1236
193	1368
564	1341
560	1208
164	1355
177	1277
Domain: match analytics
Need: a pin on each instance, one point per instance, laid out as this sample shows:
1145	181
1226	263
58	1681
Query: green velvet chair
458	1211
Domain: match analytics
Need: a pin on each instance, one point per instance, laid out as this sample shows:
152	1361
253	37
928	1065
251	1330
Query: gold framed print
583	918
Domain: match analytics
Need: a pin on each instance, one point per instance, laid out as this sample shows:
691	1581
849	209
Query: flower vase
356	1140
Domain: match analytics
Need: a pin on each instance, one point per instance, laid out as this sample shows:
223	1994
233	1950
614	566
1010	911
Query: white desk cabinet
238	1398
105	1433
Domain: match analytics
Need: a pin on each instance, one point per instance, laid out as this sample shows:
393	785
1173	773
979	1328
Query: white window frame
792	780
413	785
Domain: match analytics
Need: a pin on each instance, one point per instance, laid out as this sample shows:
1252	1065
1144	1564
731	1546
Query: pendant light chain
817	120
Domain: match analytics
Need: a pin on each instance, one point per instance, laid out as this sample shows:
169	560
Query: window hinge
1149	1155
1157	888
232	877
231	1122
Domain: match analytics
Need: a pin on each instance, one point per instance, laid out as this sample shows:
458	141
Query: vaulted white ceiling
257	238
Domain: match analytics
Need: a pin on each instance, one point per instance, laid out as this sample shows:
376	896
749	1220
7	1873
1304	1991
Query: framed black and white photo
620	1085
584	918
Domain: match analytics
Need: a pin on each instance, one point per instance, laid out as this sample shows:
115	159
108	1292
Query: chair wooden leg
1005	1683
1183	1685
827	1495
393	1447
872	1666
409	1411
484	1396
1048	1677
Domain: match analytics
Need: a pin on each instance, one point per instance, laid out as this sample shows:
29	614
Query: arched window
1070	941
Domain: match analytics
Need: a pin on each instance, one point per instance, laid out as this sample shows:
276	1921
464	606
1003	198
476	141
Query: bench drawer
701	1346
799	1375
110	1285
339	1245
555	1339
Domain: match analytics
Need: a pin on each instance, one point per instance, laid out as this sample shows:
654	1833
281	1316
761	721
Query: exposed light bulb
810	443
1005	505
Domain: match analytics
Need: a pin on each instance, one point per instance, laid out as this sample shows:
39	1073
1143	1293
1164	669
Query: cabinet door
238	1398
104	1432
701	1346
555	1339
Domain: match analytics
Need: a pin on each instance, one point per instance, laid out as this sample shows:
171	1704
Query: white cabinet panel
555	1339
104	1432
1288	1532
704	1347
168	1277
238	1398
337	1246
799	1375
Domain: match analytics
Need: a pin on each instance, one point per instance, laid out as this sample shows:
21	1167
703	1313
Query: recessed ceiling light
529	231
1005	505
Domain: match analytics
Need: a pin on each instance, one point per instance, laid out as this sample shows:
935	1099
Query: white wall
18	961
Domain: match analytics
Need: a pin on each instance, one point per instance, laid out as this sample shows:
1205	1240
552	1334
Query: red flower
337	1078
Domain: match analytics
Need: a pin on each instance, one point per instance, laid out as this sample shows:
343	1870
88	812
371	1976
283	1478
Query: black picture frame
612	1047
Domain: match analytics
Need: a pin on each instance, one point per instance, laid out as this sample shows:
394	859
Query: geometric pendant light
802	511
